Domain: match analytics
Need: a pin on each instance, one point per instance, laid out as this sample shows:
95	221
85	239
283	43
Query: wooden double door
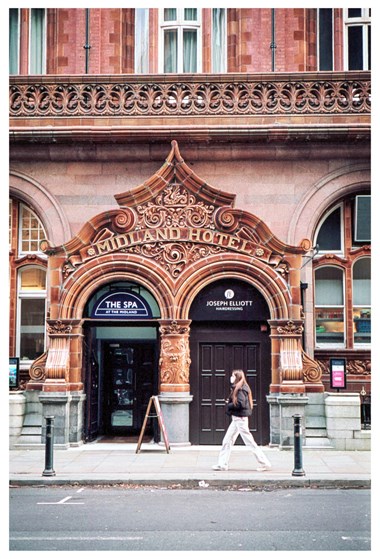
215	351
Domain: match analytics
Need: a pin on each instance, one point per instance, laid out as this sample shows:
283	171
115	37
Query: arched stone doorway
229	330
120	359
173	235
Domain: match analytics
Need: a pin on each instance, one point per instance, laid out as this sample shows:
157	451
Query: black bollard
298	469
49	446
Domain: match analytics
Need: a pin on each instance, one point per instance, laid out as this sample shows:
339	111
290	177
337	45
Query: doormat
124	440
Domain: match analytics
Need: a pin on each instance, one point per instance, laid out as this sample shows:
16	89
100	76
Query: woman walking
239	407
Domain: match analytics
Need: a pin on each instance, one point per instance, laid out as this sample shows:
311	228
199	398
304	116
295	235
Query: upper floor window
219	42
31	231
330	232
37	42
142	40
14	40
180	40
325	39
357	38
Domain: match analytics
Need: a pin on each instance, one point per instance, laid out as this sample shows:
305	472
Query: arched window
342	274
31	312
31	231
330	235
27	272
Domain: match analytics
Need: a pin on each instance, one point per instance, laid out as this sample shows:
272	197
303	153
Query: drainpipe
273	45
87	46
303	287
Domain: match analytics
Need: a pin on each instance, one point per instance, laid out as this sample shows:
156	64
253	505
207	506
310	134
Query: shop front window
329	306
31	303
342	274
362	301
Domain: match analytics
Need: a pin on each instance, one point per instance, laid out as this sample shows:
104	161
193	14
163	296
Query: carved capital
59	327
290	328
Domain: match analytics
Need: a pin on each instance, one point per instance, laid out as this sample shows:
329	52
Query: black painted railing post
49	447
298	469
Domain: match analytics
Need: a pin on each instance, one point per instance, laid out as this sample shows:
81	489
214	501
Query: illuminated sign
121	305
229	300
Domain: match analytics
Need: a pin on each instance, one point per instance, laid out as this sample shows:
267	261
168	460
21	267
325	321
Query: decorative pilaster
56	367
175	360
286	341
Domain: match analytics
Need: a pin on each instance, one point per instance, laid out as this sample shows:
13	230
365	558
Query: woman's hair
240	381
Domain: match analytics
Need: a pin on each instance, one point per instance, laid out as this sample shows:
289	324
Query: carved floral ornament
139	97
290	328
176	219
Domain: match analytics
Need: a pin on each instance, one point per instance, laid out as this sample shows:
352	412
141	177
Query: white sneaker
219	468
263	468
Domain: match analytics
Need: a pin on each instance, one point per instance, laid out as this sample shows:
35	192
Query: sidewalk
103	463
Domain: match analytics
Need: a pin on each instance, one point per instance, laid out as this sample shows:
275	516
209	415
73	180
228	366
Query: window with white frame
31	231
329	305
361	281
141	40
180	40
31	286
219	40
37	41
342	274
325	27
357	38
14	40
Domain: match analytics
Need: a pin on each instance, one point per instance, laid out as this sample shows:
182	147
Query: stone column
174	366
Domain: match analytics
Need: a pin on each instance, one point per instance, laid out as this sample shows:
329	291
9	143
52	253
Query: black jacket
242	407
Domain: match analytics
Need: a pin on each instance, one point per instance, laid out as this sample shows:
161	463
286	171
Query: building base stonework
57	405
282	409
343	422
175	411
17	407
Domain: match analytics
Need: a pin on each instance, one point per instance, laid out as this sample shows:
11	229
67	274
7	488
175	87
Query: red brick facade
259	156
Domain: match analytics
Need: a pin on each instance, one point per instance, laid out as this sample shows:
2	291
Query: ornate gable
176	219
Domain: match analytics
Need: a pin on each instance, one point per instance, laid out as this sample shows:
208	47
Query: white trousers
239	426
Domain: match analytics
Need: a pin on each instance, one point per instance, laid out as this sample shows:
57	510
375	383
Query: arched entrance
229	330
173	236
120	356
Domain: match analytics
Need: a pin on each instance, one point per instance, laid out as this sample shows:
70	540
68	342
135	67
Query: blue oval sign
123	305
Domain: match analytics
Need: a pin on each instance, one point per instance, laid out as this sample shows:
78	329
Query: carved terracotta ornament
290	328
160	97
175	354
37	369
